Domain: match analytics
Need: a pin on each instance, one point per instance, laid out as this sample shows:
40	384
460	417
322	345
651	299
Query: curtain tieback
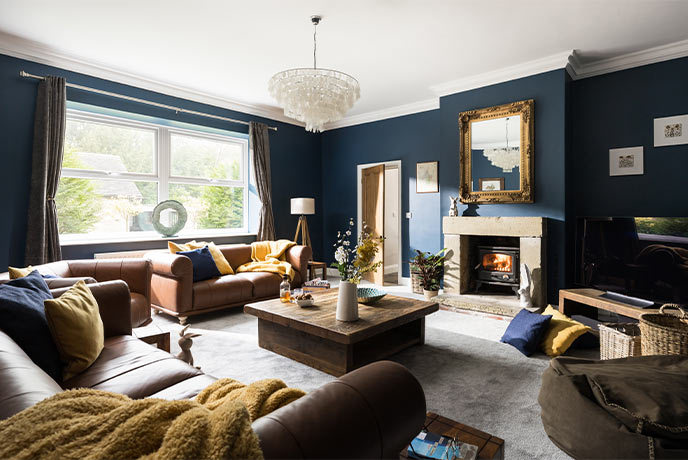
50	198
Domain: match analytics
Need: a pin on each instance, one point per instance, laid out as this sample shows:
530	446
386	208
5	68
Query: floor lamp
303	207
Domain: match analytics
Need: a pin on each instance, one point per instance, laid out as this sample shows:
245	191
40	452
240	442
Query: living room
598	94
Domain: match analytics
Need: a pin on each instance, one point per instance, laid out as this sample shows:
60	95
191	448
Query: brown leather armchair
372	412
174	292
135	272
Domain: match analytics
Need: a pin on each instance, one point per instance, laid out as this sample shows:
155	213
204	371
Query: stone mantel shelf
527	227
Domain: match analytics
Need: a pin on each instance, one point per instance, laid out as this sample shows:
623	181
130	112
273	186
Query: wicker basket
619	340
664	334
416	286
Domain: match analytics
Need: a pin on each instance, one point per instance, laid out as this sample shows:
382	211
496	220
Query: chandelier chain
315	42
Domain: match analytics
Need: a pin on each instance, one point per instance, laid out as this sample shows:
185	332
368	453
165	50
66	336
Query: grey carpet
466	373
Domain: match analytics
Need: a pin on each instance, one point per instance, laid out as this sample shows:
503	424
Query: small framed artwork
626	161
490	184
671	130
427	177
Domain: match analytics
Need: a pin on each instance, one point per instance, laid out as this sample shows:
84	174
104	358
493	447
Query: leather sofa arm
114	303
168	264
171	282
372	412
298	257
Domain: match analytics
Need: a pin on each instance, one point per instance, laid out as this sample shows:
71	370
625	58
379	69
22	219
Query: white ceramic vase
347	302
429	294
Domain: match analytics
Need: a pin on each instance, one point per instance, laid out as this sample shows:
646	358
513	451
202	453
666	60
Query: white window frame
161	174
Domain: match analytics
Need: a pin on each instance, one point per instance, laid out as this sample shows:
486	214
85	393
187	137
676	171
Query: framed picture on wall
671	130
626	161
490	184
427	177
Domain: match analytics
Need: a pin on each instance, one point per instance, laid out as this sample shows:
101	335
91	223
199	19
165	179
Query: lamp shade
303	206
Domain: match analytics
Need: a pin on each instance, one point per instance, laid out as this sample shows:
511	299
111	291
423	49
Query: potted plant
431	268
352	264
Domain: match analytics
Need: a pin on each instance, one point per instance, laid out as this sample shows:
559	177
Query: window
116	170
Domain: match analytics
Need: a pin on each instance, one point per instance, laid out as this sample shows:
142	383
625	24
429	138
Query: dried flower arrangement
354	263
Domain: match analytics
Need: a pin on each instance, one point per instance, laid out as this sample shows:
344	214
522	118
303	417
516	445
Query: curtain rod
143	101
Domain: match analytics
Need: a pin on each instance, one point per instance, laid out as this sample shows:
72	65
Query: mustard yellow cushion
561	333
19	272
219	258
74	321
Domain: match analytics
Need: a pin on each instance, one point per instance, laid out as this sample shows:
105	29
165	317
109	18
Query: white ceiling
399	50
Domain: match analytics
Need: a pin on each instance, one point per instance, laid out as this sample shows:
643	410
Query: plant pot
347	302
430	294
416	286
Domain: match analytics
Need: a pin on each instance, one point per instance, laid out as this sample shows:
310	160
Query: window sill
145	238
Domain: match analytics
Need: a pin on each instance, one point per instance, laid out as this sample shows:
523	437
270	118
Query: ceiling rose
314	96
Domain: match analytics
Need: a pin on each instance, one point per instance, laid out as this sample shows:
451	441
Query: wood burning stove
498	265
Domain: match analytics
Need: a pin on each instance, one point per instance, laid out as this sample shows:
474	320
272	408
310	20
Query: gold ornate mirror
496	154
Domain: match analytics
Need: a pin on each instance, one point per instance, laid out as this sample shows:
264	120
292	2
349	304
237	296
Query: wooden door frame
359	205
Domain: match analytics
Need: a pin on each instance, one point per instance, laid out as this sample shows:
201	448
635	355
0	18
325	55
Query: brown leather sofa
372	412
135	272
174	292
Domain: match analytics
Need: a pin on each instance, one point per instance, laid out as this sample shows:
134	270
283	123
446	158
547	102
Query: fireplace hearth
497	265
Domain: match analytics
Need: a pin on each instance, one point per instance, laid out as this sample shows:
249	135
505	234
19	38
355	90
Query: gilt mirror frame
466	119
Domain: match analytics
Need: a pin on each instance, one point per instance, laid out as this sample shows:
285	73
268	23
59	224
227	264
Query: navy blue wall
434	135
617	110
549	92
296	160
411	139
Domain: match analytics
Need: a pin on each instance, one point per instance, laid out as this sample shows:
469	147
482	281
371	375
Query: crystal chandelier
314	96
505	158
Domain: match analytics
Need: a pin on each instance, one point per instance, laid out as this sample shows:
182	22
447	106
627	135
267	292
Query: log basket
664	333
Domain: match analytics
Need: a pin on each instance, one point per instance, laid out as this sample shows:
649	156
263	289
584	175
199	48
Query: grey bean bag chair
627	408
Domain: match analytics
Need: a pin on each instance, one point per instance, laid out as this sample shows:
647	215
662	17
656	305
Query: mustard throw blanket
268	256
92	424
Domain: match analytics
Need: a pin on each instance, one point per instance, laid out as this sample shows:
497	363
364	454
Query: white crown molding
525	69
661	53
14	46
392	112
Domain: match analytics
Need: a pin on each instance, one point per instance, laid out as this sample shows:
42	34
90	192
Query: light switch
409	215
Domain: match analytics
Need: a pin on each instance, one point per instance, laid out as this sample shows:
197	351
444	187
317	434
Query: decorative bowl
369	296
305	303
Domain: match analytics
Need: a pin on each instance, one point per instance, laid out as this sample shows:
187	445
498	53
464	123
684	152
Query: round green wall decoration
178	217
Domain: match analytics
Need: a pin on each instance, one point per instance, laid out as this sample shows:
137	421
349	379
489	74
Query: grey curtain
258	134
42	237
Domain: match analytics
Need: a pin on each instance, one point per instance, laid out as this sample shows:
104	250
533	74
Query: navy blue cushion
525	331
203	264
22	317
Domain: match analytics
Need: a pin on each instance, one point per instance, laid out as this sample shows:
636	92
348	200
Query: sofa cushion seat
23	382
264	284
134	368
186	389
225	290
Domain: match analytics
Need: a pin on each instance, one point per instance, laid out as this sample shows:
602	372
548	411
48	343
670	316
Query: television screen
645	257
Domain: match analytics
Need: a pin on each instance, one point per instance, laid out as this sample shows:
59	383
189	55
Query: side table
313	266
154	335
489	447
587	302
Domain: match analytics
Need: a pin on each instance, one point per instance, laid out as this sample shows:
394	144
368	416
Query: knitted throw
92	424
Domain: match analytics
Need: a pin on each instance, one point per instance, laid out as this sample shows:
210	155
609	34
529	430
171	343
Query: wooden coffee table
489	446
313	336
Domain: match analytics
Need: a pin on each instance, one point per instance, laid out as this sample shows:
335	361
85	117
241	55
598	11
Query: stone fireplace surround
458	231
